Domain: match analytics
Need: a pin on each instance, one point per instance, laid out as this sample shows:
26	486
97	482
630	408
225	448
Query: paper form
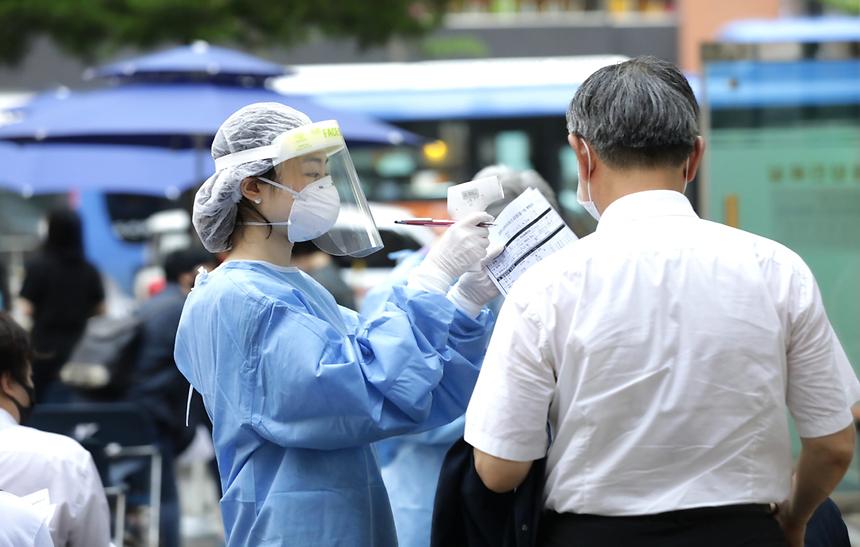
530	230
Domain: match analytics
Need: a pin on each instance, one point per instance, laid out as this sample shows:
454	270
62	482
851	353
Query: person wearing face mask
297	387
33	460
663	350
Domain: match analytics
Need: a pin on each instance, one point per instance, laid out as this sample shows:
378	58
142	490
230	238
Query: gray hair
639	113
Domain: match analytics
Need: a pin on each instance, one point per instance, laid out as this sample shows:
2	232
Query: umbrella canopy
173	115
197	59
54	168
151	133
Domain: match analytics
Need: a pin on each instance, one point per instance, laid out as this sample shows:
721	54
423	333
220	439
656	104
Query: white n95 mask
588	204
314	212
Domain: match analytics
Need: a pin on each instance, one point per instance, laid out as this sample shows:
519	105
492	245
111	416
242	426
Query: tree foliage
850	6
94	29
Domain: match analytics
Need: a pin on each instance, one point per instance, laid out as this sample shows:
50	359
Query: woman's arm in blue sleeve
458	341
310	386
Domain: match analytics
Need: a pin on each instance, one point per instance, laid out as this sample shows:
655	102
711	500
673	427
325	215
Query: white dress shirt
663	350
31	460
20	525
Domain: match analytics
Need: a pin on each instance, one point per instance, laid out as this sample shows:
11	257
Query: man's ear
251	188
696	158
579	148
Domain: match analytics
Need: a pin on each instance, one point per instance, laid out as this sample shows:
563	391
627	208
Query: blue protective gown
297	388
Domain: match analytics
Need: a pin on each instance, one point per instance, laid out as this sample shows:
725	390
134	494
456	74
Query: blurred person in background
411	463
33	460
5	297
298	387
321	266
61	290
157	385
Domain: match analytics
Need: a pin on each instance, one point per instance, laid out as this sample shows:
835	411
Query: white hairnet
215	204
515	183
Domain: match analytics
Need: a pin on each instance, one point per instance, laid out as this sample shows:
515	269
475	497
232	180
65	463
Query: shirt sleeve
32	287
846	372
820	387
507	415
407	368
97	290
90	513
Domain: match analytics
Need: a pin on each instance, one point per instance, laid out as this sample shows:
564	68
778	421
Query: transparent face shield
313	164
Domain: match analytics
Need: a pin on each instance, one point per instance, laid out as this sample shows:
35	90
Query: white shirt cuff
505	448
821	426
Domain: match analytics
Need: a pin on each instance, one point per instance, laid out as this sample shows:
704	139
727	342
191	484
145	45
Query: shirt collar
645	205
6	420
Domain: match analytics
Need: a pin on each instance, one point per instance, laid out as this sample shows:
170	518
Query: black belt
695	512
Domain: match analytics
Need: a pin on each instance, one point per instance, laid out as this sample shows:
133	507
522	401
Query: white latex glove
475	289
459	250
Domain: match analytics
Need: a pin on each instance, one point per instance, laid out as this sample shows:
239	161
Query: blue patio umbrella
172	100
197	59
56	167
148	131
176	115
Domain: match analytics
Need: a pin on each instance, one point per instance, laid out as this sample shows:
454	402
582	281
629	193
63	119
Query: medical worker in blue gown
410	464
296	387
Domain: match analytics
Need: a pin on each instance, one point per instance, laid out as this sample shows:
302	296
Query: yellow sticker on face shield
320	136
331	132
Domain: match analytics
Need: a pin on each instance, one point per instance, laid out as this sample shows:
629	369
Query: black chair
114	433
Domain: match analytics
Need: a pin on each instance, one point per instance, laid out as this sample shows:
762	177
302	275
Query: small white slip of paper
530	230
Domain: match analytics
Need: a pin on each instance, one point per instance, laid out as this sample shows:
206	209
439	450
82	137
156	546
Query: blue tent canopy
168	115
54	168
510	102
745	84
792	29
197	58
450	89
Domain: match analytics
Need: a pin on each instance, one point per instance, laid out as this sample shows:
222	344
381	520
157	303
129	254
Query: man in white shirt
663	350
32	460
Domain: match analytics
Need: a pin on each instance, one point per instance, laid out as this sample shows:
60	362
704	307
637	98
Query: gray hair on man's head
638	113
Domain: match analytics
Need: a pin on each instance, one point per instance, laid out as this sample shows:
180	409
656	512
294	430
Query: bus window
513	148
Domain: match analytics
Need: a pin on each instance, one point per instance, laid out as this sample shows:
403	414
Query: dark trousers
734	526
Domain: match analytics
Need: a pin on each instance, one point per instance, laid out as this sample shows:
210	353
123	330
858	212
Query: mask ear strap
188	403
686	175
278	185
588	180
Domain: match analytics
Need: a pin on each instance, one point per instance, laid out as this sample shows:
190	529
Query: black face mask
24	412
